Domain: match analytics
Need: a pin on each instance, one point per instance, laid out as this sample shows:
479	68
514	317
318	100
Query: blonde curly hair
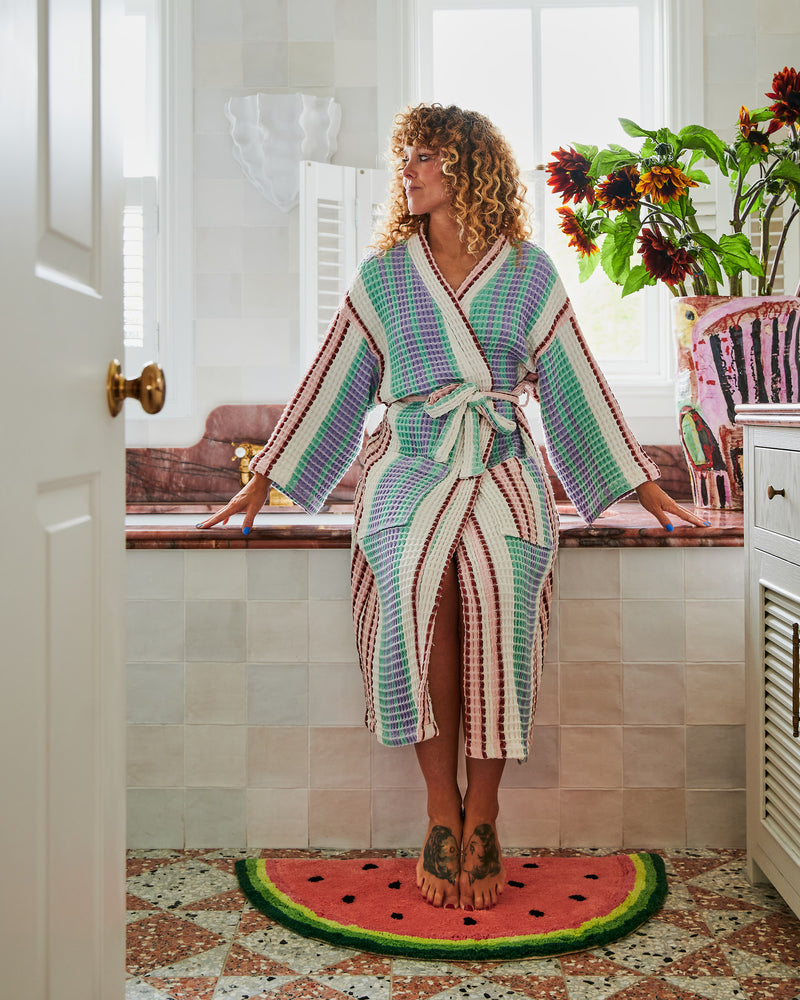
479	172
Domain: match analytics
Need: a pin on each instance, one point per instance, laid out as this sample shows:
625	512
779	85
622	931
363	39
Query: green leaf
761	115
710	265
698	137
736	255
639	277
698	175
587	265
588	151
607	161
788	171
635	130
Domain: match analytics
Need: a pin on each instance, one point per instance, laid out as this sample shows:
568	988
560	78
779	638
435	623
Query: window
551	72
157	232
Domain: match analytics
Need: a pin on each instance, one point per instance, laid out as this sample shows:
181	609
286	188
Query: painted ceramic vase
730	350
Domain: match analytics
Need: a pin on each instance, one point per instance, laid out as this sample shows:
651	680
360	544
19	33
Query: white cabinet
772	542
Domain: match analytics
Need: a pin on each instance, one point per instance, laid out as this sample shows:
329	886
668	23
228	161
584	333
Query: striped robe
452	473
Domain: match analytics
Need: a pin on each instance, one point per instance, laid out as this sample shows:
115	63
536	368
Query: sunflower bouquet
634	213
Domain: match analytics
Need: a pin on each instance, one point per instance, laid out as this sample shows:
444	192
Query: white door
61	710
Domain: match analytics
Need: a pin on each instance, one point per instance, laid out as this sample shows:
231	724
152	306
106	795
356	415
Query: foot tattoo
440	855
482	854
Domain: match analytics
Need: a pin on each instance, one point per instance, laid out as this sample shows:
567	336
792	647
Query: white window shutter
338	206
139	271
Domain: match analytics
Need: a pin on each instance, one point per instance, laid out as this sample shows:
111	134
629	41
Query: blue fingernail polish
668	527
245	531
706	524
199	524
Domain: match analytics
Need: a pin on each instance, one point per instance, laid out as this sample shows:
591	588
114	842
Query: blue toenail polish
245	531
668	527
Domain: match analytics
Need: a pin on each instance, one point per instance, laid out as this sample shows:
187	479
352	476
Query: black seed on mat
367	867
469	921
578	896
317	878
517	885
530	864
348	899
591	876
397	916
394	885
536	913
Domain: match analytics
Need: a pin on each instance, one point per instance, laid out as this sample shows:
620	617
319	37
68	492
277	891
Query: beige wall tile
715	631
653	817
339	818
277	694
715	693
154	693
715	757
216	692
329	574
335	694
714	573
277	817
155	818
654	757
265	64
310	20
651	573
216	756
215	816
591	756
591	693
277	631
155	631
330	632
211	573
715	819
277	575
354	63
218	64
394	767
277	757
588	573
215	630
589	630
653	693
547	704
311	64
541	769
154	574
339	757
591	817
399	817
529	817
155	756
652	630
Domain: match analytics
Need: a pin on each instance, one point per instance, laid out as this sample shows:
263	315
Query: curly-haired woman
450	323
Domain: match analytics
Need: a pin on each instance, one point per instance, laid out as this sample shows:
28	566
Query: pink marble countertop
625	524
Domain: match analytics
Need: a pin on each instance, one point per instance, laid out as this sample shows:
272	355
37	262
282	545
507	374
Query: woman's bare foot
483	874
439	866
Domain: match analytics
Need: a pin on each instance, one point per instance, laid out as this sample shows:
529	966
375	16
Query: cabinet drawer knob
772	492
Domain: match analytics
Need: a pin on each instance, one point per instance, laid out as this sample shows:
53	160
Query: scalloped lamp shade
272	133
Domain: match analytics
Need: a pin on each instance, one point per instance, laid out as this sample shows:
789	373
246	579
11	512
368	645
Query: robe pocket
513	501
394	489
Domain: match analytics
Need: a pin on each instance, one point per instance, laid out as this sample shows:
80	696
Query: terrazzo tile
542	967
654	989
305	989
775	938
138	989
706	899
585	963
230	900
714	988
243	962
204	963
222	922
301	954
252	921
135	903
598	987
730	880
709	961
181	883
653	947
249	987
745	963
536	987
198	988
722	922
421	987
763	988
361	964
689	920
163	939
359	987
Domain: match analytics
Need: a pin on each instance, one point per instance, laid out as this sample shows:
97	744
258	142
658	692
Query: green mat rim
644	900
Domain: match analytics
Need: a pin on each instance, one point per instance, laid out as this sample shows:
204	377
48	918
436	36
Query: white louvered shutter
338	207
139	271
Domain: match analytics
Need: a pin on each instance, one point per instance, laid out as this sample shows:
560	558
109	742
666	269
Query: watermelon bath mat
550	906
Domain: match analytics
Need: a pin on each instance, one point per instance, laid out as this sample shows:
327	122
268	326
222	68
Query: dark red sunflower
786	95
617	193
569	176
753	135
664	182
571	225
663	260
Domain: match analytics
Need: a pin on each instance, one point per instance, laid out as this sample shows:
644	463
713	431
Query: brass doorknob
150	388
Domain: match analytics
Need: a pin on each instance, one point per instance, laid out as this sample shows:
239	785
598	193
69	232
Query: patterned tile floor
192	936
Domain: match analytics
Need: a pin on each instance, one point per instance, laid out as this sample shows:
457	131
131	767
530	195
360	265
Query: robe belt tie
465	405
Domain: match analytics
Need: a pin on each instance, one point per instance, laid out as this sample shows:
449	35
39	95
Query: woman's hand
250	499
661	506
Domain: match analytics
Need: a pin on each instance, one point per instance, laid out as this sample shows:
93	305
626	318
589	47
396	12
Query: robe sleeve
320	433
591	447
